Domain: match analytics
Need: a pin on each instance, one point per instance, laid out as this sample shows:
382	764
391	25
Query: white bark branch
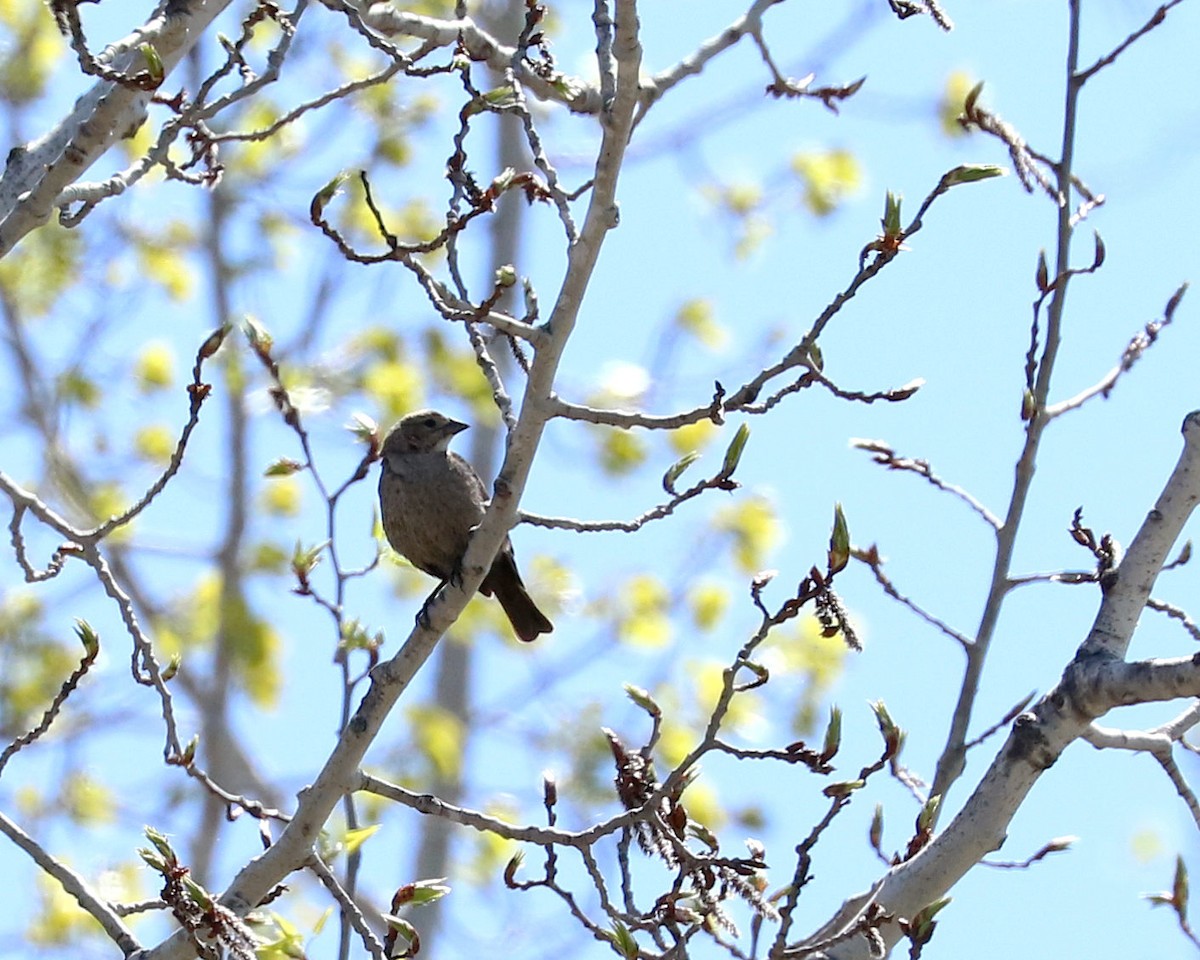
391	678
88	899
37	173
1093	683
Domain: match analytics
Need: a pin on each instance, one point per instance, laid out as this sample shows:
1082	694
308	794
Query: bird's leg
456	572
422	618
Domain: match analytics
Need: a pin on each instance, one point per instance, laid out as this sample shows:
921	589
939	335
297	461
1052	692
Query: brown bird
431	499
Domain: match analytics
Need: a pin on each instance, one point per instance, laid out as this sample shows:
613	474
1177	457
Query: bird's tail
505	583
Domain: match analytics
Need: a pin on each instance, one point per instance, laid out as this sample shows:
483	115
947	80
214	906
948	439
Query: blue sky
954	310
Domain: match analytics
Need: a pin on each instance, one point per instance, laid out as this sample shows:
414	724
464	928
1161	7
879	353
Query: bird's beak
454	427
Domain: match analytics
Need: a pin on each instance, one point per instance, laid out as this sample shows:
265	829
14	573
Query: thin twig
72	883
885	455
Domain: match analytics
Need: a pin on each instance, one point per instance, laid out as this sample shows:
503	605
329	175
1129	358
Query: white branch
391	678
74	884
576	95
37	174
1125	599
1093	683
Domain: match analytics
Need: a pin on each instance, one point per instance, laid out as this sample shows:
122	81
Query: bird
431	499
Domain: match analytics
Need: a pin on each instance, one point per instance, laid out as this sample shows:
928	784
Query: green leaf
928	814
258	335
401	926
972	172
816	357
501	97
844	788
734	453
924	919
160	842
839	541
891	214
283	467
364	428
643	699
428	891
1179	888
833	734
154	64
875	834
305	558
214	341
972	97
1043	273
675	471
87	636
323	196
623	940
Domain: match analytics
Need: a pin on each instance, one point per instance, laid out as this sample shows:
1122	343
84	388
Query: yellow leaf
74	386
33	48
1146	845
356	838
829	177
253	645
154	444
377	342
267	557
708	602
109	500
742	198
155	367
694	436
30	803
675	742
439	736
141	141
621	451
754	528
698	318
255	158
954	96
703	805
37	272
87	801
281	497
395	385
59	920
457	372
644	621
164	263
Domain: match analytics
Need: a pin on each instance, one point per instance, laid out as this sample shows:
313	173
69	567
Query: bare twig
1156	19
1057	845
88	900
883	454
1132	354
870	556
91	644
350	910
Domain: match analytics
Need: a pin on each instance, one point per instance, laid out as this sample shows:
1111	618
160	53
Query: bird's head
422	431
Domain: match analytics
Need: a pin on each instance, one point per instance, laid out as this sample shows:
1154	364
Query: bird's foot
422	619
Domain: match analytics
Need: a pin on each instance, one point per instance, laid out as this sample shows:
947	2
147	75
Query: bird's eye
430	422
